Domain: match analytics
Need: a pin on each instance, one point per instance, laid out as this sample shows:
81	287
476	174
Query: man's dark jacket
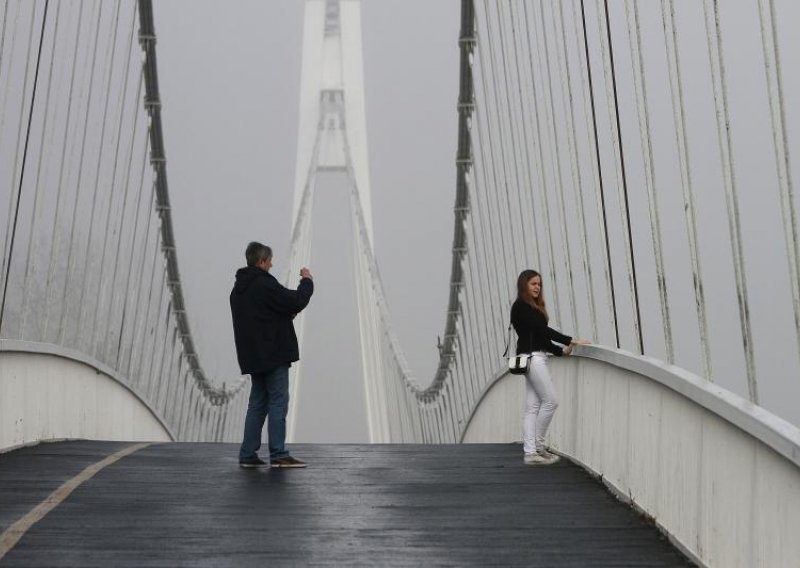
262	311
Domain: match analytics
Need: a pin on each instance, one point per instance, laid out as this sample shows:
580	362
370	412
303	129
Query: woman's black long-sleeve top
532	331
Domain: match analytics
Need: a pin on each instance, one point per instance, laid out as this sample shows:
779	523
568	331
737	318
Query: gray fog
230	81
230	85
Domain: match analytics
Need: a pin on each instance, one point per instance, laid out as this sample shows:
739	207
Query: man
266	346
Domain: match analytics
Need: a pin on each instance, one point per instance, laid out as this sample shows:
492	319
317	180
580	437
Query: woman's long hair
522	292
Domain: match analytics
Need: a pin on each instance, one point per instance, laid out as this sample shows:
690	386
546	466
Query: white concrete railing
50	393
719	475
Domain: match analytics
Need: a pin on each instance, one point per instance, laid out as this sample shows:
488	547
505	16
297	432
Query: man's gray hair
256	252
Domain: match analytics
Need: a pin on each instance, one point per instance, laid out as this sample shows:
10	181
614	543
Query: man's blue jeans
269	396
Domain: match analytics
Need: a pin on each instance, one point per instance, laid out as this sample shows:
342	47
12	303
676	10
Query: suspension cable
542	181
12	209
635	287
83	308
515	145
505	250
559	183
118	253
102	287
772	69
71	241
36	209
4	99
720	88
136	338
572	139
642	111
498	292
55	243
128	279
600	177
526	161
24	161
3	36
682	143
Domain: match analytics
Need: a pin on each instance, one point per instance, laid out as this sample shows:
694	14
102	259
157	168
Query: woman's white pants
541	402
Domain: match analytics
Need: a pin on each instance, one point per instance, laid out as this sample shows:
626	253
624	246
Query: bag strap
508	341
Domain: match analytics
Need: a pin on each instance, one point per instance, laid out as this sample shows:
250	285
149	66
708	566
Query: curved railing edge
773	431
777	433
21	346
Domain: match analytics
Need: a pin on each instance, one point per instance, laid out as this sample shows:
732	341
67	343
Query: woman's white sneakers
542	457
550	456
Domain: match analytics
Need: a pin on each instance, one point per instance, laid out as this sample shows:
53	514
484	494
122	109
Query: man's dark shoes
287	461
253	462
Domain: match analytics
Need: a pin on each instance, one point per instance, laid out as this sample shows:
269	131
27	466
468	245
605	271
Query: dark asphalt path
381	505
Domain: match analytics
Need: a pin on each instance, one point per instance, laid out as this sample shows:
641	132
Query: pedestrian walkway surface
370	505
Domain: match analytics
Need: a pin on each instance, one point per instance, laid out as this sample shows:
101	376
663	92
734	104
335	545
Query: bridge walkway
406	505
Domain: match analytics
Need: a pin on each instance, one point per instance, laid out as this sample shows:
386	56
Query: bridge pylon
332	137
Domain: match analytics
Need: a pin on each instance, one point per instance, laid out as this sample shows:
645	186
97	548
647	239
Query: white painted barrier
719	475
51	393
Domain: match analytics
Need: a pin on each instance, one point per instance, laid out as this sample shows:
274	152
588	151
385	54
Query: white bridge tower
332	136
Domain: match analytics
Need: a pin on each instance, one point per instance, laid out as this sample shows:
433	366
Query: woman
529	318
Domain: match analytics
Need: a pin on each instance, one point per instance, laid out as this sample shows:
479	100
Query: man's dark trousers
269	396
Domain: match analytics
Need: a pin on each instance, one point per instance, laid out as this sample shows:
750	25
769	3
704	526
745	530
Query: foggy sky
230	88
230	81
